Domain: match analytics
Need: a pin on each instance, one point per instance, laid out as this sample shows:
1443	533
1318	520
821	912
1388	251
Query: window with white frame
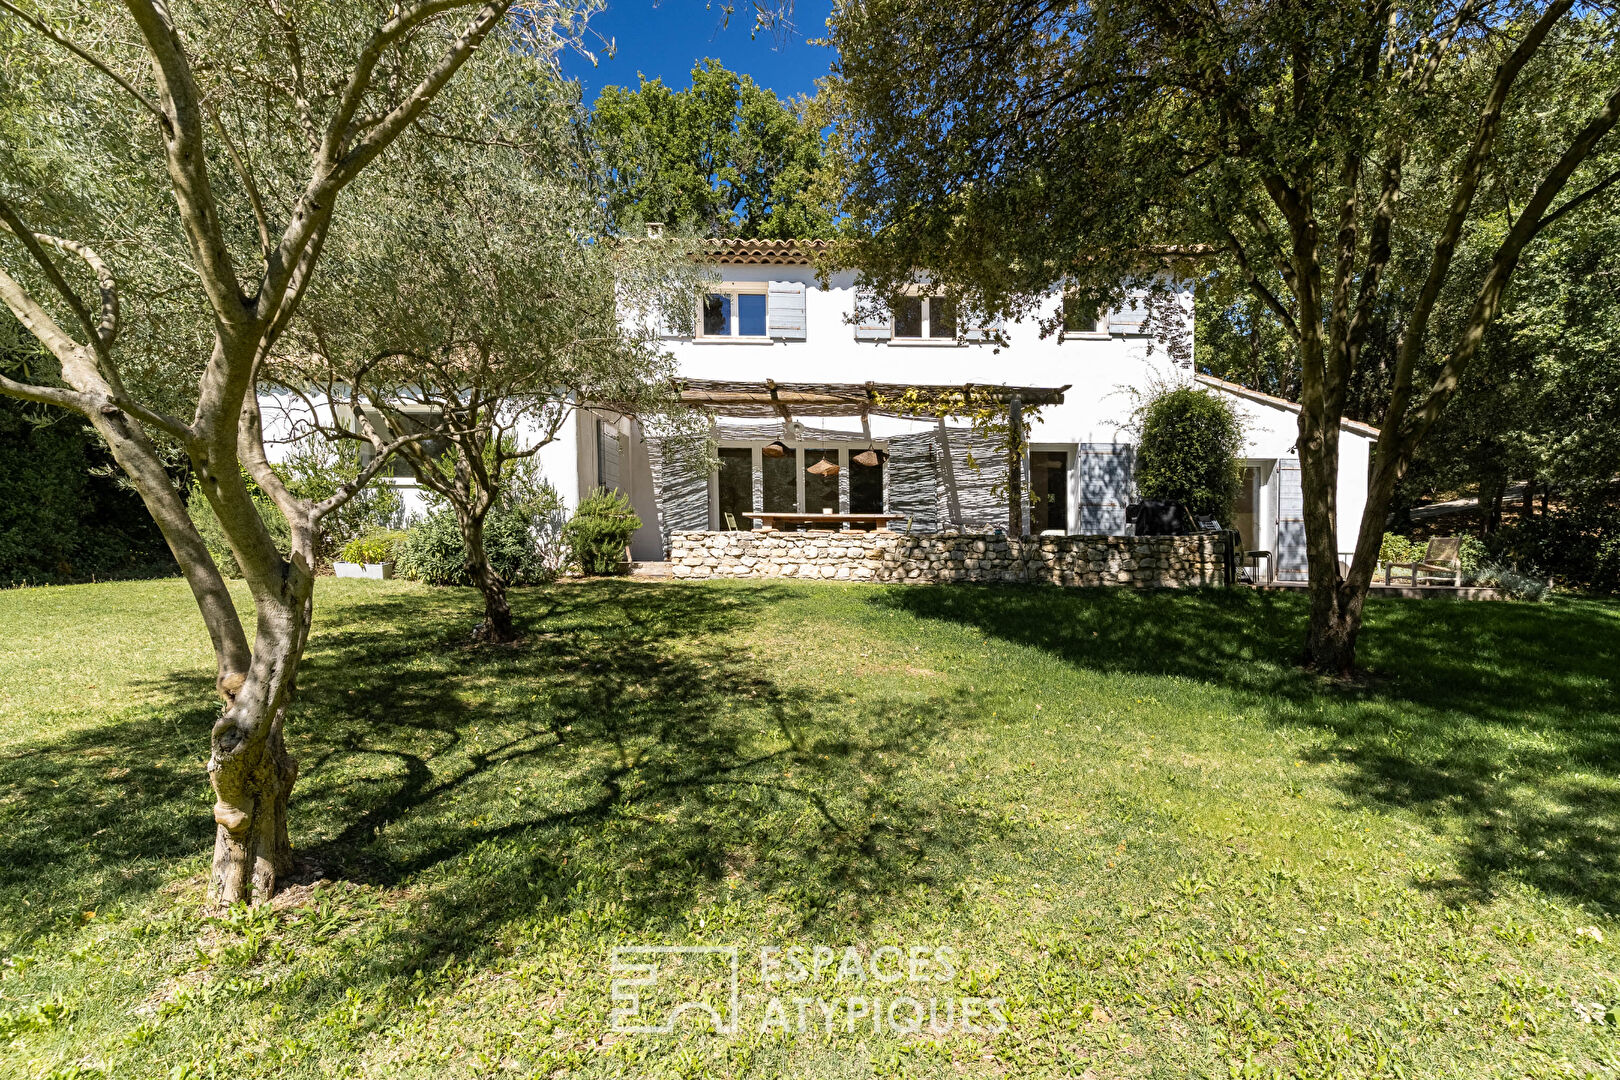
734	311
920	318
1081	316
404	420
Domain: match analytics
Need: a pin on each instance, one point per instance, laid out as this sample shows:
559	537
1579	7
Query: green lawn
1162	849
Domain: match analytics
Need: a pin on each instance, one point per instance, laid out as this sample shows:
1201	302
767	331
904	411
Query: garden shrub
375	546
1188	452
1398	549
314	471
1579	544
433	551
65	514
520	540
1518	585
600	530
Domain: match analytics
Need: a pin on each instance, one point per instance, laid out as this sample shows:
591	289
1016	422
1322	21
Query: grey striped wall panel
913	481
680	488
968	497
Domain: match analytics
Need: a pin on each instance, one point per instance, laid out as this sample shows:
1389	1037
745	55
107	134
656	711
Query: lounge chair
1442	559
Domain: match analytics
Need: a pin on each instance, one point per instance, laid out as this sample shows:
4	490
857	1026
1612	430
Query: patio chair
1442	559
731	523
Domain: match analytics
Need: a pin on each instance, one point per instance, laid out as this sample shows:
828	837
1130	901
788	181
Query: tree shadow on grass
626	758
1498	723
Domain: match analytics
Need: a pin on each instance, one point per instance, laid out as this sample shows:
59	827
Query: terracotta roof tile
764	252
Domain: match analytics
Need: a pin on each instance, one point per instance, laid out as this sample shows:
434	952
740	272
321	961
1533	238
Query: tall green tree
724	157
1314	146
202	149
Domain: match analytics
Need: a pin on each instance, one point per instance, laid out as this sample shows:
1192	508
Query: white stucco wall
1102	371
288	417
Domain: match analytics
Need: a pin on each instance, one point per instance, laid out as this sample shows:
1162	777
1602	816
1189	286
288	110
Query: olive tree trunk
250	769
497	627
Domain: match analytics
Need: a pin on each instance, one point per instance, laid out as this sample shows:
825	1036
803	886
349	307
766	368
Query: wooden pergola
787	399
908	400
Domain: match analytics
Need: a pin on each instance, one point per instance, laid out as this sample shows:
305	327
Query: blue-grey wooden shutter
1130	316
1105	486
607	455
871	323
680	487
1290	555
784	310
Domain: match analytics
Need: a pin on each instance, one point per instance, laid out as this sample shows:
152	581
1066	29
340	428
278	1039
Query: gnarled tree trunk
250	769
497	626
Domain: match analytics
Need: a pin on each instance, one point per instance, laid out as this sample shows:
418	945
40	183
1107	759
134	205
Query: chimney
655	230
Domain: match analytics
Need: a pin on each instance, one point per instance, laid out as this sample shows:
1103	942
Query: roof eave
1271	399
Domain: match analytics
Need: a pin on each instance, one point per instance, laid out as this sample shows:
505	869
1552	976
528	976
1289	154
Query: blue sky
665	39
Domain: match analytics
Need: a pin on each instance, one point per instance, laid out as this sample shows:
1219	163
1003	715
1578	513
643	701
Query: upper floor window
735	311
1080	316
918	317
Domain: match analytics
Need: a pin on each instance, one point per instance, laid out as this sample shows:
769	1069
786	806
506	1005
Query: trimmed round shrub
1189	451
599	532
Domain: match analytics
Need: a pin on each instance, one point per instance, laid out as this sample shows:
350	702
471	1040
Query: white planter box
377	571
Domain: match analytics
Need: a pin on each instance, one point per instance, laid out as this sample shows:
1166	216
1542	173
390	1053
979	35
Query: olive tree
1308	146
480	306
251	118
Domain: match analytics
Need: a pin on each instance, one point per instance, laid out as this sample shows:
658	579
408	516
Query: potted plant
370	555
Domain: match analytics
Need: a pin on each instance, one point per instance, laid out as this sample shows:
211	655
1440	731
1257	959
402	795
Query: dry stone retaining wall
1139	561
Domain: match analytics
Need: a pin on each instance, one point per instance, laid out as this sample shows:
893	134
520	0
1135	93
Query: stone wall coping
926	558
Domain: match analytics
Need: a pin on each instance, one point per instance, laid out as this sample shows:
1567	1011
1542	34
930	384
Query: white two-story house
786	372
769	324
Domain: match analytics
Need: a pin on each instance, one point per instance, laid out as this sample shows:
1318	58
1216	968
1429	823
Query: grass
1156	845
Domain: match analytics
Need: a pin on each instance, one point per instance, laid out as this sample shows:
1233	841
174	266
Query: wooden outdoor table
830	521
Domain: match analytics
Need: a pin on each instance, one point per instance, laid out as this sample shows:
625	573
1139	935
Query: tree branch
1488	302
1258	287
187	161
1595	189
89	58
34	244
1469	172
259	216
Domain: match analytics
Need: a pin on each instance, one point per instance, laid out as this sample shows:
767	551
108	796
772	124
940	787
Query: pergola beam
770	397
